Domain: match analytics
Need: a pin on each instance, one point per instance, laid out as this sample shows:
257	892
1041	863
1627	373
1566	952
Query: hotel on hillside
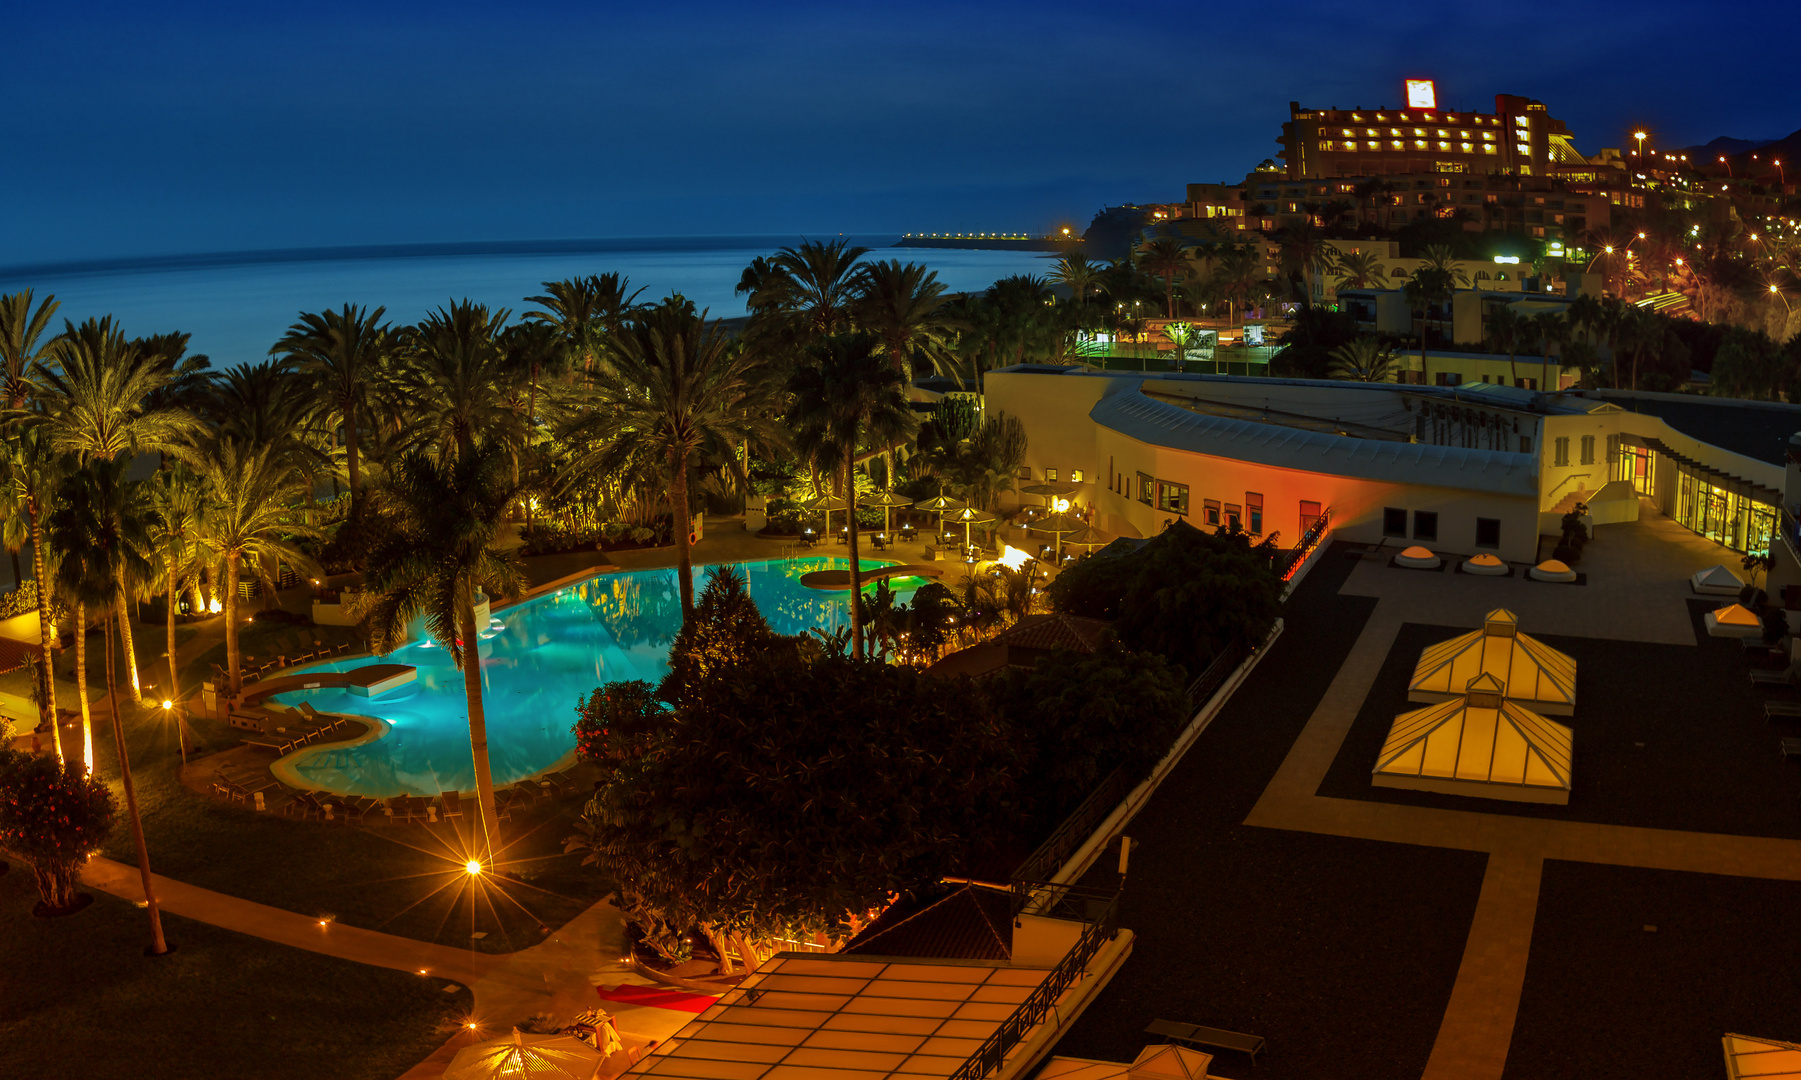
1464	469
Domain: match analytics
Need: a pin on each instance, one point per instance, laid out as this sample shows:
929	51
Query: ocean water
538	659
238	304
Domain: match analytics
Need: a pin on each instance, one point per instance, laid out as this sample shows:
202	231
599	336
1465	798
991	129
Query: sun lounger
451	805
1782	710
1196	1035
1790	748
1761	677
355	809
401	809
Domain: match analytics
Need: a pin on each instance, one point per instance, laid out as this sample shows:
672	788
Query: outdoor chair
303	806
355	810
399	808
880	543
1768	677
1196	1035
1790	748
450	804
1782	710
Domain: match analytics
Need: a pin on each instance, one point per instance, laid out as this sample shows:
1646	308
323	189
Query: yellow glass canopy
1529	671
1479	743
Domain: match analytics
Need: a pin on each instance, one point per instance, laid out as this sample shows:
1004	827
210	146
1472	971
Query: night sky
169	128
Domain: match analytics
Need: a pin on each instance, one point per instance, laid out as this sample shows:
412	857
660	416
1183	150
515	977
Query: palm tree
847	394
1506	329
1549	328
1440	257
33	471
1166	257
1240	272
23	349
903	306
443	550
1364	360
453	375
674	386
1303	250
1428	286
1079	276
814	285
248	520
583	311
341	354
178	505
98	400
1359	269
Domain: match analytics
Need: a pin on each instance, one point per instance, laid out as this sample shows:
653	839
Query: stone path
1477	1029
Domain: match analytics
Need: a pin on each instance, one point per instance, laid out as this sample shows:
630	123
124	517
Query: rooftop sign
1421	94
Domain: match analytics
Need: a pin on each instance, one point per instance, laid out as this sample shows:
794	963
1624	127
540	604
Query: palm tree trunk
856	574
18	571
169	616
81	683
231	624
1511	366
124	617
352	465
478	724
158	945
46	630
678	512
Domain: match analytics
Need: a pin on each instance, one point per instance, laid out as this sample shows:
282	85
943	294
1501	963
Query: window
1561	454
1488	532
1025	472
1050	475
1526	384
1425	525
1145	493
1172	497
1253	505
1613	449
1525	444
1211	511
1075	476
1588	449
1234	517
1310	513
1394	522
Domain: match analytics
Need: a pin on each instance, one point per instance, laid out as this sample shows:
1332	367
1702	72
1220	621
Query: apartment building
1520	138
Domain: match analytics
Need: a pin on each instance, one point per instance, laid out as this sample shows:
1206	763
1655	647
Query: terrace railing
1201	690
1075	829
1100	911
1291	561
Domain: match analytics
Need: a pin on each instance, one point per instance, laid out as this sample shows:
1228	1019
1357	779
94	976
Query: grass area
1313	942
1661	731
400	879
80	1000
1608	999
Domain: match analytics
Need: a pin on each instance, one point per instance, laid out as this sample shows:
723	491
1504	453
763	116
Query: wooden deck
369	680
839	580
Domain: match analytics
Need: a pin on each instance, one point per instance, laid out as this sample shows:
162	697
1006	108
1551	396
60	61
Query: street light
1726	163
1780	172
1640	136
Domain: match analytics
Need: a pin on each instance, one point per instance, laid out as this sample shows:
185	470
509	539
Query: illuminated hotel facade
1461	469
1520	138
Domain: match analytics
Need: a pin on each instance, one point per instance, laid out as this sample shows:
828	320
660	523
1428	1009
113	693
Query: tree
1308	342
794	794
341	354
1442	258
1359	269
23	349
248	519
725	629
33	471
903	306
178	508
1165	257
1364	360
453	375
1506	329
1427	288
53	814
674	387
812	286
1081	277
847	396
442	551
583	311
1239	275
1303	250
1551	330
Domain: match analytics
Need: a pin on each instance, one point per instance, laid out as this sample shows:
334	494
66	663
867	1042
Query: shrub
53	816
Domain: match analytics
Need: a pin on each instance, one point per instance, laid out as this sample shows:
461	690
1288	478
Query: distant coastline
1063	247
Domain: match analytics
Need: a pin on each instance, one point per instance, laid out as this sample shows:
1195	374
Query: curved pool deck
539	658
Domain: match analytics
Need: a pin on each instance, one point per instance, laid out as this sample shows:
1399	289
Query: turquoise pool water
538	659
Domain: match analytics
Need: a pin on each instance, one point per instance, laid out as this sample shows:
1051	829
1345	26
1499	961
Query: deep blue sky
182	127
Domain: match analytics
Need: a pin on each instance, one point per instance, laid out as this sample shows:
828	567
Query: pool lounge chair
450	804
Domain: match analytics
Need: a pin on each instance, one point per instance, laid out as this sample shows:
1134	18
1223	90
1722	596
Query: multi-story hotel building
1518	139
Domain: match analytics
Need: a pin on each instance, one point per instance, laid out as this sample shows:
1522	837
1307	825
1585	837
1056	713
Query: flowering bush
53	816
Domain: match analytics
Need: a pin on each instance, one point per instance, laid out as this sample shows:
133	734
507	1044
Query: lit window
1348	131
1396	145
1172	497
1488	148
1381	116
1419	144
1523	149
1419	131
1145	493
1466	147
1444	146
1211	511
1369	131
1050	475
1520	121
1443	134
1075	476
1463	134
1487	135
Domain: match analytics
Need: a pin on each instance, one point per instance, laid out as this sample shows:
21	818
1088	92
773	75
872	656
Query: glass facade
1719	507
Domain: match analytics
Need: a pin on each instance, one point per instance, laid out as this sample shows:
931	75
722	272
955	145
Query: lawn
80	1000
1660	732
1606	998
1313	942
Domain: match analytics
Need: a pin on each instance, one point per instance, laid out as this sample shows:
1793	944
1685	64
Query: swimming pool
538	660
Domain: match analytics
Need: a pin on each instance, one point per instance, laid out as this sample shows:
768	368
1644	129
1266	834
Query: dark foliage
1307	345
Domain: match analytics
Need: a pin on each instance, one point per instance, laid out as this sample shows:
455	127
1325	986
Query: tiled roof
972	922
1052	632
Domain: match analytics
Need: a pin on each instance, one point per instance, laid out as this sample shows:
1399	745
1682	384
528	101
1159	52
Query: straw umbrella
828	503
1059	524
1048	491
542	1057
889	502
941	505
968	516
1086	537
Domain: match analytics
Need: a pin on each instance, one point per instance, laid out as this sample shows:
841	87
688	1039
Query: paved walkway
1637	591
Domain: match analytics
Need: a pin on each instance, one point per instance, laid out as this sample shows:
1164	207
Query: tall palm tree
23	348
1081	277
1442	258
442	551
1506	329
813	284
33	471
177	501
1303	250
453	375
1364	360
674	386
341	355
1239	275
904	306
1427	287
1359	269
1166	257
583	311
248	519
846	396
98	398
1548	329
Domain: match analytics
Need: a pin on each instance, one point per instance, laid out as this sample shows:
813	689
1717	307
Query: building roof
1134	414
838	1017
1759	430
1527	669
1748	1056
1051	632
971	922
1481	738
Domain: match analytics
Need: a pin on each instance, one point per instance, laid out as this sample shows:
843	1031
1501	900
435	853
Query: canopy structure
1768	1059
1715	581
1732	620
552	1057
1166	1062
1479	744
1529	671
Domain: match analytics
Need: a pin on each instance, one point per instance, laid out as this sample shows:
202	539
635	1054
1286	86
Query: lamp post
1781	174
1640	136
1728	165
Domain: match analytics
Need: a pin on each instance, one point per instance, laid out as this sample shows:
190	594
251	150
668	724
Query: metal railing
1210	680
1791	532
1075	829
1291	561
1100	929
